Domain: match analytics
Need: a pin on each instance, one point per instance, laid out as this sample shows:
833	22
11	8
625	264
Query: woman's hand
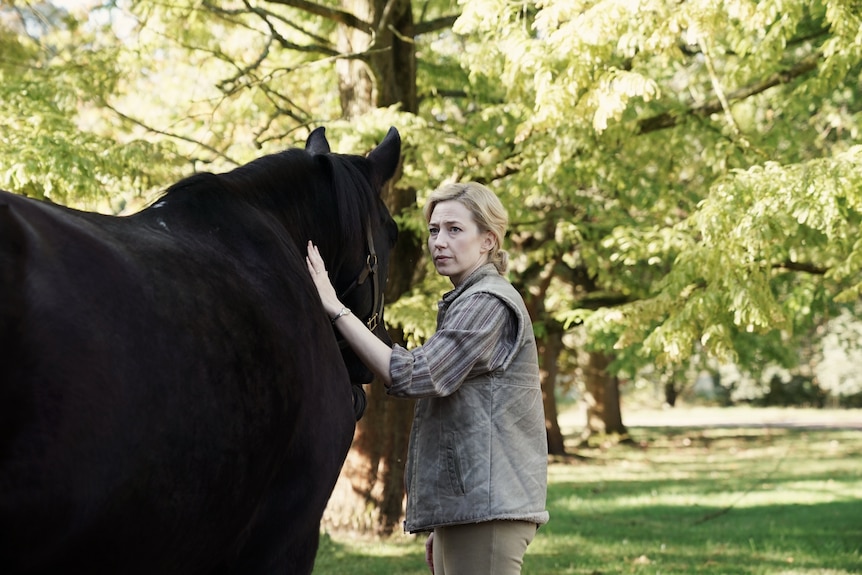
317	269
373	352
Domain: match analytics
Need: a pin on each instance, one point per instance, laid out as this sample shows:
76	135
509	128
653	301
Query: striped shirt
478	334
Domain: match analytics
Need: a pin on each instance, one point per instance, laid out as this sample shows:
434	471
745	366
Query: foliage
704	154
682	178
684	174
222	78
54	73
754	228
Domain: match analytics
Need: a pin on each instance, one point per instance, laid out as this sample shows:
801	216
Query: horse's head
359	264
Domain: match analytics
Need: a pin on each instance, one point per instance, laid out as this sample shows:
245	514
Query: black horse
173	399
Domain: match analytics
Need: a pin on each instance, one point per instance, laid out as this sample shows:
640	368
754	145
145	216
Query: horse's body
172	396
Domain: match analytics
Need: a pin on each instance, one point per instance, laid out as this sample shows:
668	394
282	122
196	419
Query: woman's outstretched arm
375	354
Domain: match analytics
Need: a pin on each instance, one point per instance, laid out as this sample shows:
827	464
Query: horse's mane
294	183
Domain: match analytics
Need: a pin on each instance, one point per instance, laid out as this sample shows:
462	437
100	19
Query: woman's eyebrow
445	222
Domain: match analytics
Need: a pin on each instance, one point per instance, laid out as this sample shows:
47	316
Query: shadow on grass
716	501
402	555
767	539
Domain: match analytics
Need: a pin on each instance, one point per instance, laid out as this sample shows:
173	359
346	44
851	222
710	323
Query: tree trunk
368	497
602	397
613	414
670	393
533	285
550	347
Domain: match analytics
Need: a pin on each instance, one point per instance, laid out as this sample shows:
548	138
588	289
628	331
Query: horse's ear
316	143
384	158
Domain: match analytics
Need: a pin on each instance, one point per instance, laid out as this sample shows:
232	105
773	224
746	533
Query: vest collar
482	272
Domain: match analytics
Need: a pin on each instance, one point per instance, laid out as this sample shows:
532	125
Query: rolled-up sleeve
477	336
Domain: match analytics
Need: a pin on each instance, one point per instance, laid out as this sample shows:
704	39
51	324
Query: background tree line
683	179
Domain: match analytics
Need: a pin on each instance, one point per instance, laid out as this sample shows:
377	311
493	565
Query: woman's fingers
315	262
317	269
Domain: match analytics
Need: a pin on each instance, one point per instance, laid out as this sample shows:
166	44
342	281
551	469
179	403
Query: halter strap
370	269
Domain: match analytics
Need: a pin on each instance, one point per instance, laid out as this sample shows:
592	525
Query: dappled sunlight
400	553
719	501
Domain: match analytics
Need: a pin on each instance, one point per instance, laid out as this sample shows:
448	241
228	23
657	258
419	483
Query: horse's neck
206	202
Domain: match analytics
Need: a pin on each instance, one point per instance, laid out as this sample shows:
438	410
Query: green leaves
56	143
755	230
679	176
703	153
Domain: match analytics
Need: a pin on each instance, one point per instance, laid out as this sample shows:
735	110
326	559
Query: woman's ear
488	241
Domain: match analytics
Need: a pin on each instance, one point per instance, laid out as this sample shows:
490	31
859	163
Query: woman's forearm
375	354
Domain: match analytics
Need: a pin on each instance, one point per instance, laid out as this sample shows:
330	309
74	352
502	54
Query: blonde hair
487	210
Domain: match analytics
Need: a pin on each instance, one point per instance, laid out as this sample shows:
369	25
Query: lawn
720	500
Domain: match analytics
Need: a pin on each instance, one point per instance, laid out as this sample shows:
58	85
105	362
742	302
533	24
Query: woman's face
455	242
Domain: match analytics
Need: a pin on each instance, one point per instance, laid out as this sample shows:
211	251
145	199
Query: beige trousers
489	548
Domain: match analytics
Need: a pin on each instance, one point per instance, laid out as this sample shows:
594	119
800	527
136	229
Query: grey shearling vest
480	454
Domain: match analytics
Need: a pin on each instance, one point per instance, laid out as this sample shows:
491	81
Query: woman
477	461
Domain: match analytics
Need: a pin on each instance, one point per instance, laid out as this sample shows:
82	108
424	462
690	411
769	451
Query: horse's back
157	382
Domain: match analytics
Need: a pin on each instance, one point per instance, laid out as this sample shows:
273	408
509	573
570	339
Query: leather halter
370	269
360	400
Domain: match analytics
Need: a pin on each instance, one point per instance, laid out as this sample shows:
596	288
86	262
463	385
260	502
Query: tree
49	88
705	151
680	177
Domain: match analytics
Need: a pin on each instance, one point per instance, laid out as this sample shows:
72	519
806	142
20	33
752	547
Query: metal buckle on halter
371	261
370	269
372	322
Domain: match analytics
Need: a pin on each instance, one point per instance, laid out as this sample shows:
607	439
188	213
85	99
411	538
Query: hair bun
500	259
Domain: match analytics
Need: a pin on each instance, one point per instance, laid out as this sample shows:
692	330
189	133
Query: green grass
719	501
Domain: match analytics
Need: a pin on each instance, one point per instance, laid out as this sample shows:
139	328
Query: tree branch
320	45
434	25
801	267
717	87
594	302
339	16
385	17
442	93
217	153
671	119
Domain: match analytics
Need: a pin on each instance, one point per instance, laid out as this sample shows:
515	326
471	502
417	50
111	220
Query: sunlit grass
719	501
